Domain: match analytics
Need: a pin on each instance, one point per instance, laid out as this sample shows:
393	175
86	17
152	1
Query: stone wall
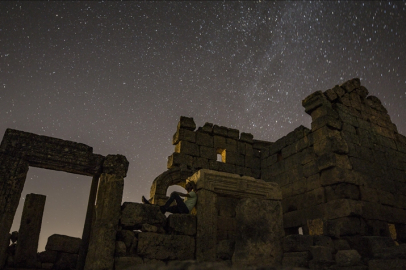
348	173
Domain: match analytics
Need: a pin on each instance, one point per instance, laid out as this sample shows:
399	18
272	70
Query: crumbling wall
202	148
345	176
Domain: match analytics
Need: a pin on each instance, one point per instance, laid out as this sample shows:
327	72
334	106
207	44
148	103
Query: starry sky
117	76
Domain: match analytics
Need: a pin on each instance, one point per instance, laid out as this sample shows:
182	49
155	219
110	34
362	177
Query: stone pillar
13	172
100	255
207	229
259	233
88	223
30	228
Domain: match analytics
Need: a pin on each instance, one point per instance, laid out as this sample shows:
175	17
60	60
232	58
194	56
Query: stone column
13	172
30	228
207	230
100	255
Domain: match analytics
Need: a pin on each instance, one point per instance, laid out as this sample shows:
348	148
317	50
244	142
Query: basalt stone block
188	148
347	258
48	256
184	135
123	263
66	261
259	233
182	224
186	123
126	236
63	243
204	139
297	243
219	130
246	137
133	215
166	247
296	259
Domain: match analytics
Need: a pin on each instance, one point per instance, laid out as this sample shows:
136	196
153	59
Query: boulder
63	243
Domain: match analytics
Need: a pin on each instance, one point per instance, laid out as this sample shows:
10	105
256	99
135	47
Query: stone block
186	123
133	215
187	148
259	233
351	85
328	121
124	263
342	208
314	101
151	228
219	142
396	264
184	135
342	191
296	259
310	169
126	236
182	224
331	95
226	206
63	243
345	258
297	243
338	175
48	256
324	111
246	137
204	139
178	159
323	241
200	163
120	249
208	152
320	253
219	130
66	261
225	249
377	228
231	145
166	247
341	244
233	133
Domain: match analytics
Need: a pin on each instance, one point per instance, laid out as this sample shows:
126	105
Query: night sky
117	76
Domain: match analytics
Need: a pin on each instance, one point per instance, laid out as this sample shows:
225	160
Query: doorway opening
66	202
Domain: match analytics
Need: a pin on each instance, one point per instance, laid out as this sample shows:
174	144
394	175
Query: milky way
118	75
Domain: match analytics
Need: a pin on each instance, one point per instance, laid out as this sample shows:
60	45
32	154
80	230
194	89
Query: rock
63	243
259	233
296	259
122	263
66	261
164	247
182	224
297	243
348	258
48	256
126	236
121	249
225	249
133	215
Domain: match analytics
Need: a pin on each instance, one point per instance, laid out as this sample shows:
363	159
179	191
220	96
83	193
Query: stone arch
160	185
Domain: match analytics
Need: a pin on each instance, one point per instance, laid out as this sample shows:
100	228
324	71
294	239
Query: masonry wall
345	176
198	149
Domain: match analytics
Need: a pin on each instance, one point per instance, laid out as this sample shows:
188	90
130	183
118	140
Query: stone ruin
330	197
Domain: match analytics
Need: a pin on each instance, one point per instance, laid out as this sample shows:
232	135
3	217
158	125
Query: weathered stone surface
187	148
63	243
30	228
133	215
66	261
347	258
296	259
319	253
163	247
126	236
184	135
182	224
225	249
396	264
297	243
120	249
123	263
48	256
259	232
246	137
151	228
186	123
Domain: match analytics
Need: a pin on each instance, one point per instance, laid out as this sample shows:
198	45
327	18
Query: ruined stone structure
330	197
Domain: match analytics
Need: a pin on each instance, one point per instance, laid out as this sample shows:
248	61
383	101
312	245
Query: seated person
182	206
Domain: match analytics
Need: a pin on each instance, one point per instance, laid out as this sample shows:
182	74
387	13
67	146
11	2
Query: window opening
300	230
221	155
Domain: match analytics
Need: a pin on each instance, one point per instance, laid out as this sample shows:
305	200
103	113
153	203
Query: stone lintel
235	186
116	164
